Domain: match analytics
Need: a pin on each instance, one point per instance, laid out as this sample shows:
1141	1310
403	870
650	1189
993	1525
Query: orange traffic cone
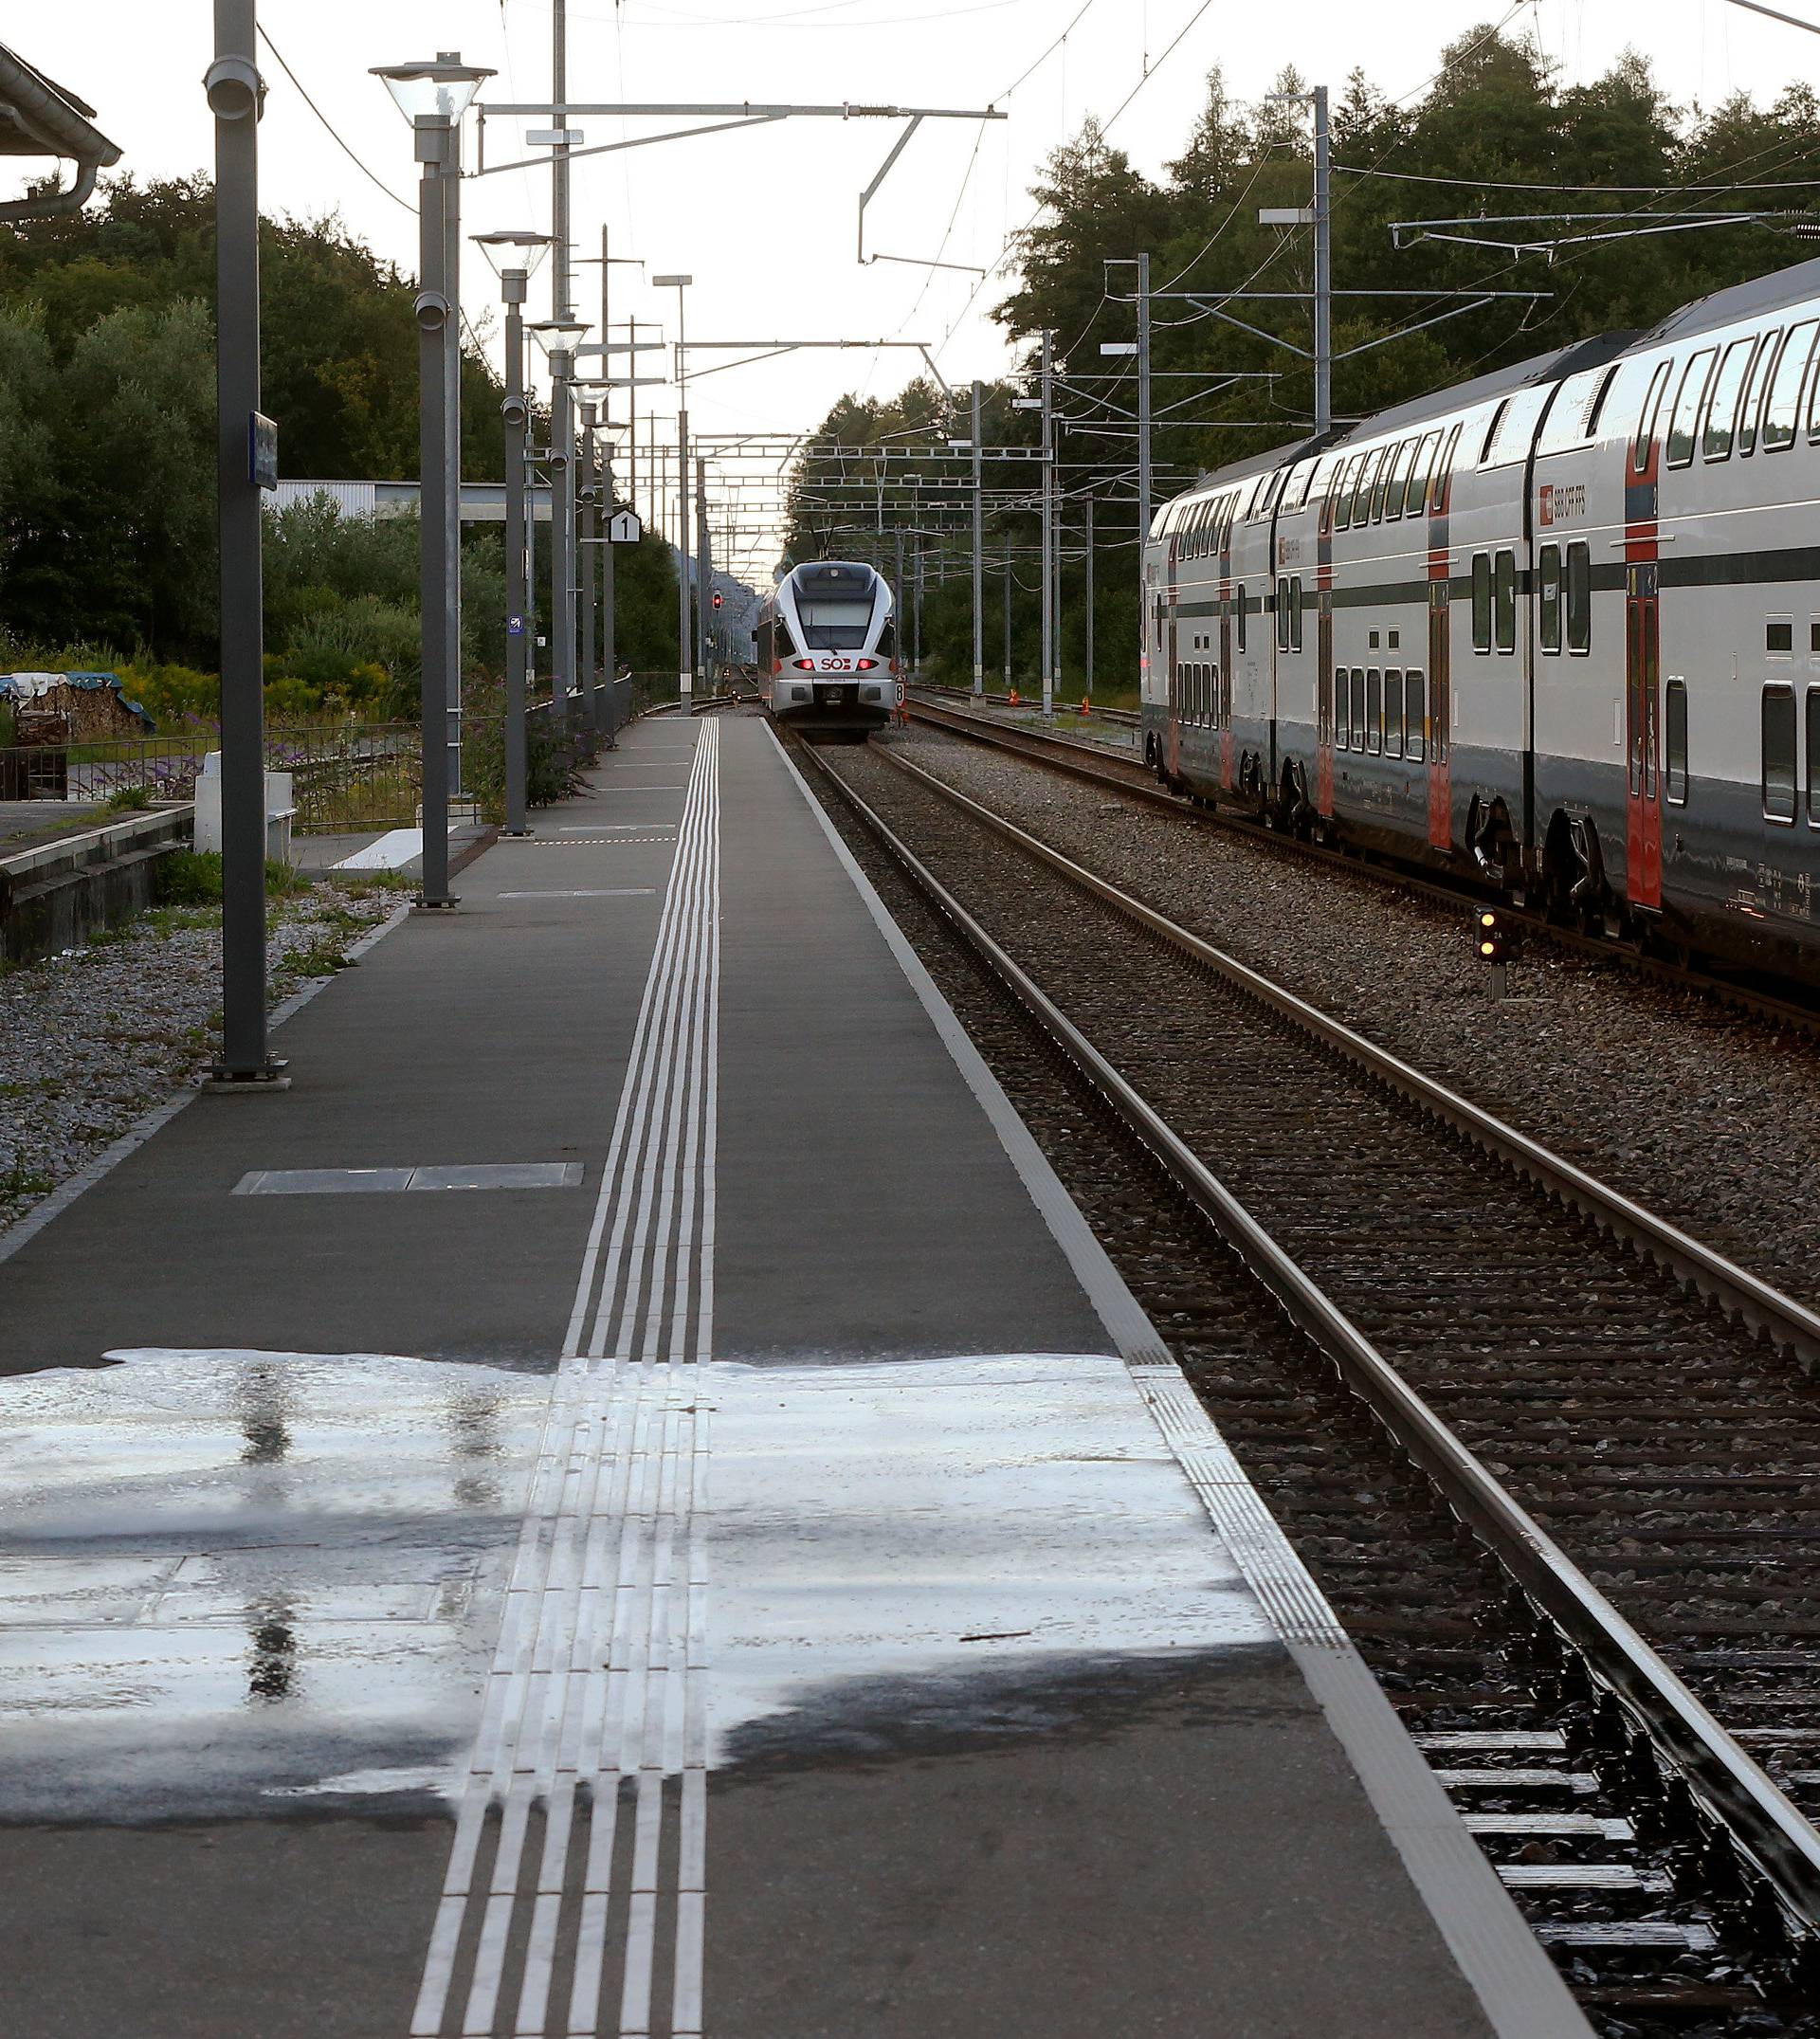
1012	697
1086	705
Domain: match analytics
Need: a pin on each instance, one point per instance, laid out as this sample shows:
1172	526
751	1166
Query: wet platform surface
774	1585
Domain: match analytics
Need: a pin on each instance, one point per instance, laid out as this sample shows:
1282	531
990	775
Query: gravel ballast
1705	1114
91	1039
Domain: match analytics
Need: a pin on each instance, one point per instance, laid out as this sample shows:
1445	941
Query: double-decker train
1559	626
826	649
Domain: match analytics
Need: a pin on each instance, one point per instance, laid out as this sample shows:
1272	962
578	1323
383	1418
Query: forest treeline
1494	140
107	456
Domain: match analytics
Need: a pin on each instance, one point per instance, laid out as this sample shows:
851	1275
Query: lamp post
559	337
433	96
236	95
514	256
587	554
685	634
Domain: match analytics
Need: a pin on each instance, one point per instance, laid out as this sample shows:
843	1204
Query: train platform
628	1501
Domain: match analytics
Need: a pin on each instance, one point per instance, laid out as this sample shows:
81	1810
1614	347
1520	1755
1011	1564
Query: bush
128	800
193	878
172	692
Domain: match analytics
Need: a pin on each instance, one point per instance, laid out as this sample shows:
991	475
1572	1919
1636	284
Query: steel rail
1791	1324
1081	758
1767	1831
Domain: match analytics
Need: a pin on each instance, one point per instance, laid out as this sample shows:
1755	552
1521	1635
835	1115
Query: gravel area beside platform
92	1038
1705	1114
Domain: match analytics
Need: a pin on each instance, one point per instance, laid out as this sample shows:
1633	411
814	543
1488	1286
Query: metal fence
345	776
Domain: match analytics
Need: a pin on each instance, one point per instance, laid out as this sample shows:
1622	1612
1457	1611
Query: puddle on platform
245	1581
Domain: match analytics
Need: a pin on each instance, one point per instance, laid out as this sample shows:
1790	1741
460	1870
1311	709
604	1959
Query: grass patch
193	878
18	1182
128	800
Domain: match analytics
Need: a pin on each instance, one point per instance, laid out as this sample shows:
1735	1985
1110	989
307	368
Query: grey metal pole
452	458
1049	537
979	542
235	92
561	275
1323	270
916	647
1007	622
562	531
585	556
684	644
608	616
1087	685
703	572
436	152
518	623
1143	406
899	619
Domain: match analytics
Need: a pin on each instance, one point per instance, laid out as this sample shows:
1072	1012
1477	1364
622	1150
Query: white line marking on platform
612	892
596	1676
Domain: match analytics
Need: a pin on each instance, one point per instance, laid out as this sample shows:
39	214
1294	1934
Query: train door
1221	704
1172	671
1324	697
1440	716
1642	657
1643	712
1440	650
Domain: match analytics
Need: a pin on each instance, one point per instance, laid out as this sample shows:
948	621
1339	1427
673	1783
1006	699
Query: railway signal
1491	939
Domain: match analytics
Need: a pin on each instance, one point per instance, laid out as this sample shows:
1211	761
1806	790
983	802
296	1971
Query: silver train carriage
1559	626
827	649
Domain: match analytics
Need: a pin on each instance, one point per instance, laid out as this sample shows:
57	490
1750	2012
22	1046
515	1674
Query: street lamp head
440	89
512	249
671	283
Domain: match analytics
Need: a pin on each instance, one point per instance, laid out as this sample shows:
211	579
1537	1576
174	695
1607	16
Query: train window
1343	710
1548	597
1580	600
1675	716
1761	363
1504	600
1687	396
1778	753
1392	713
1491	431
1779	637
1343	501
1370	639
1482	601
1225	676
1721	411
1813	756
1421	468
1283	616
1397	486
1646	436
1782	407
1373	711
1442	493
1295	496
1362	494
1414	706
1358	707
1382	483
1239	606
1394	638
1595	406
1295	614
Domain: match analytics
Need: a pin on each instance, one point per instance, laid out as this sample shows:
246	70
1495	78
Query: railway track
1097	765
1632	1630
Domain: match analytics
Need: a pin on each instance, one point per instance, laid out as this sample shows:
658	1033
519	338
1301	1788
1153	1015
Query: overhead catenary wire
328	126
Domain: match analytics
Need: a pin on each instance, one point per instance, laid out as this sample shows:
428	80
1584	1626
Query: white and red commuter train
1559	626
827	649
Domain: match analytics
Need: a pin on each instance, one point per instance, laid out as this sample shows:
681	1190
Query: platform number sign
623	528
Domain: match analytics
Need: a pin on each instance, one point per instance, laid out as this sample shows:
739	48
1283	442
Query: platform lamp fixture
558	338
433	96
514	256
684	633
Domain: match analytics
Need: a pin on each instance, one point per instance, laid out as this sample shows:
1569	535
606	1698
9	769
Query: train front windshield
835	606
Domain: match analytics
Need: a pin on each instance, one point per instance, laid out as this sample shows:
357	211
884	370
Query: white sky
765	219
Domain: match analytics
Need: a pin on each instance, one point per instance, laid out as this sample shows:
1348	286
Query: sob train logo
1561	501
